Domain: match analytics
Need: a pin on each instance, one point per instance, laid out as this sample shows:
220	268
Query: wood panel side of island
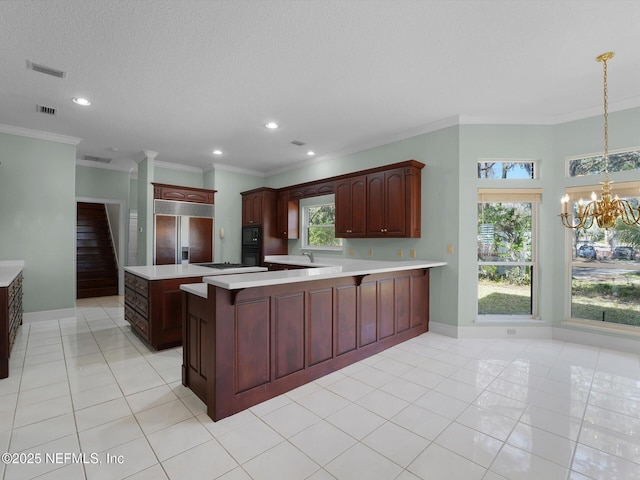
245	347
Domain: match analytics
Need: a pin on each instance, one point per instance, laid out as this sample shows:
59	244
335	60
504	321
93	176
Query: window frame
305	205
515	195
625	190
535	163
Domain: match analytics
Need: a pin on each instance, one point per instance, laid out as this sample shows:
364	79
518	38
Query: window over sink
318	223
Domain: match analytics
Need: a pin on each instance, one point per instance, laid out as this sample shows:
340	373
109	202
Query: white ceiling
184	77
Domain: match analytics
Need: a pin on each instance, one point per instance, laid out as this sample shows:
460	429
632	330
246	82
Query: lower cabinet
243	347
154	309
10	320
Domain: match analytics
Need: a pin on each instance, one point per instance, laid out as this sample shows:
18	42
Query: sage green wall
439	152
145	211
503	142
174	176
583	137
38	213
133	194
228	210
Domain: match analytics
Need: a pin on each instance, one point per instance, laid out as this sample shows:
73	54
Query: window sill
502	319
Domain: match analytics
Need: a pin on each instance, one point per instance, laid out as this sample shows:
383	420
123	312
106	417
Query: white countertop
164	272
199	289
9	270
341	268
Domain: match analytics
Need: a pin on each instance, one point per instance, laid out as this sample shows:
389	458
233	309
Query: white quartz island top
9	270
331	268
164	272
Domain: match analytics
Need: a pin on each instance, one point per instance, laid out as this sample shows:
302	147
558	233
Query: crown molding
230	168
105	166
413	132
40	135
177	166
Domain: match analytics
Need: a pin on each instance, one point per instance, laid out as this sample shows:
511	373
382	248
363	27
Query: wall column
145	208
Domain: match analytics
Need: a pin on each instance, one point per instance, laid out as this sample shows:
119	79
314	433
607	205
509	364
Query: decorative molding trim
177	166
48	315
150	154
104	166
230	168
26	132
413	132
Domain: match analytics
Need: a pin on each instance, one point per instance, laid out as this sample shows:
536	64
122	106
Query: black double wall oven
251	242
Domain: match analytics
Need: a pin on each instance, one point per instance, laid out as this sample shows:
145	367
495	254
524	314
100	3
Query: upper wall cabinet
179	193
386	202
351	207
287	215
252	208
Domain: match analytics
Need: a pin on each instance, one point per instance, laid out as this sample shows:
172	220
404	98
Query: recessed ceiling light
81	101
217	152
310	153
271	125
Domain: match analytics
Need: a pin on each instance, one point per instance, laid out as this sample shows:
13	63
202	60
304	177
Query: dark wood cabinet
393	203
154	308
386	204
179	193
244	347
259	208
351	207
287	216
10	320
252	208
200	240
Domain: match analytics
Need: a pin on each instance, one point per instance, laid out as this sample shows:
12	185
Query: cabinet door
166	239
375	205
343	207
287	216
358	207
200	240
252	209
395	203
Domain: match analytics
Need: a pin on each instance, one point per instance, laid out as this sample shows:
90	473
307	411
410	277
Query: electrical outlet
511	331
400	253
370	251
351	251
412	253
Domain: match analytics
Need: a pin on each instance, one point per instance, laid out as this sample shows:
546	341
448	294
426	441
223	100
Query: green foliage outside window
321	231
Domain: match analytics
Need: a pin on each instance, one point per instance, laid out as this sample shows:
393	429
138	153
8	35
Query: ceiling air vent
54	72
298	143
96	159
46	110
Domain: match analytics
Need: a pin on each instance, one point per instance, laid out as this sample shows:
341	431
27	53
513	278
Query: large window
604	266
318	227
507	280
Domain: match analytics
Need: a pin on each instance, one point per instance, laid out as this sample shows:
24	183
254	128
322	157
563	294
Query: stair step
96	269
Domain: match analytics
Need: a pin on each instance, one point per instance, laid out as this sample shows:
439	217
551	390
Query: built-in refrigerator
183	232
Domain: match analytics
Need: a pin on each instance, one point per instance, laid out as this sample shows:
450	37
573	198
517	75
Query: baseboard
48	315
443	329
505	331
596	339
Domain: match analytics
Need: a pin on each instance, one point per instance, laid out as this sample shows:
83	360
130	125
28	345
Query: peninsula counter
252	337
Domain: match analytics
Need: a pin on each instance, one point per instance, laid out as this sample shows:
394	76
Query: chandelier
608	209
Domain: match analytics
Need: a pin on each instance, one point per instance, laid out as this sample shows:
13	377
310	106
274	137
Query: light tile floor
432	408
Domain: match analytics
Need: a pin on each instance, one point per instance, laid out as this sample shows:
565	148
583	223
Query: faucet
309	254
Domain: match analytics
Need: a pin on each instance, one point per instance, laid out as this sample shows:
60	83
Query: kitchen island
153	302
252	337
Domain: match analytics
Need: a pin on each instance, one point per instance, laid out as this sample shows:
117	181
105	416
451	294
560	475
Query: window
318	226
622	160
604	265
507	280
514	169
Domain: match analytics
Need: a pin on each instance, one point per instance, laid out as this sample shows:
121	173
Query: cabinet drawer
136	301
140	323
136	283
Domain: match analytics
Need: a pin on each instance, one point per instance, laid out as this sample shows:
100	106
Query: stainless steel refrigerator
183	232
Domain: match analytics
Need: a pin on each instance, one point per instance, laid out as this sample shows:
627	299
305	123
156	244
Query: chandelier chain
606	121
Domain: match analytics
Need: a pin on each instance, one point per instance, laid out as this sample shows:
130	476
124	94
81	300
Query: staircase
96	268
